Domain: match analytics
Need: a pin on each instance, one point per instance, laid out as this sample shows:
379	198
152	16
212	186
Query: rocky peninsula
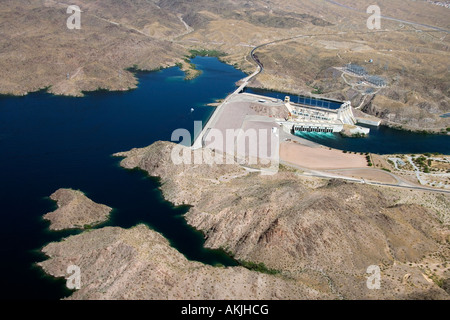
139	263
75	210
317	237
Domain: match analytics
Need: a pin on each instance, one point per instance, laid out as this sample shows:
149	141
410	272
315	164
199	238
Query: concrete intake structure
305	118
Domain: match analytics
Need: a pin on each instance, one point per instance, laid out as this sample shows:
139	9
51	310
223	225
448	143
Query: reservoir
384	140
381	140
49	142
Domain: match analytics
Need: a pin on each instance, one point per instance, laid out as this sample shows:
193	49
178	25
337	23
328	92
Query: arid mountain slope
37	50
336	229
139	263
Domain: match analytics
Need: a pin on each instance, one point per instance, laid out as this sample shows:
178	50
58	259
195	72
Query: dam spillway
312	128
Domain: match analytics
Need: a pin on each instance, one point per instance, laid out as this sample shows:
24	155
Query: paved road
260	68
321	174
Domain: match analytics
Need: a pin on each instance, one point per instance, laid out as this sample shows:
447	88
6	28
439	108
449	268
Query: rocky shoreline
334	230
190	74
75	211
138	263
318	236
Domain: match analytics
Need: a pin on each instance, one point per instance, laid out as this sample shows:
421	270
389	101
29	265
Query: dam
307	118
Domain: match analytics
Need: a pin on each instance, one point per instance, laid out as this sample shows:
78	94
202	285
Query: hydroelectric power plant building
306	118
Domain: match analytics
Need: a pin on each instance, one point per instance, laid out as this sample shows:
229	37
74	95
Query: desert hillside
302	226
139	263
321	37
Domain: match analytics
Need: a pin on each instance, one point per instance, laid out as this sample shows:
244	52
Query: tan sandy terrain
138	263
417	91
242	127
417	11
367	174
38	51
332	229
319	157
185	187
75	210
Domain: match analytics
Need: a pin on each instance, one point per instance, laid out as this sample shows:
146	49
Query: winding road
256	60
260	68
328	175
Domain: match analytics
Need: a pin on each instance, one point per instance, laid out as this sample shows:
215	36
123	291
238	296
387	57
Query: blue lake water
49	142
381	140
384	140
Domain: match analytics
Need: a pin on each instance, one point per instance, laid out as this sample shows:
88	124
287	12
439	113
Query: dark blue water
384	140
309	101
381	140
49	142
